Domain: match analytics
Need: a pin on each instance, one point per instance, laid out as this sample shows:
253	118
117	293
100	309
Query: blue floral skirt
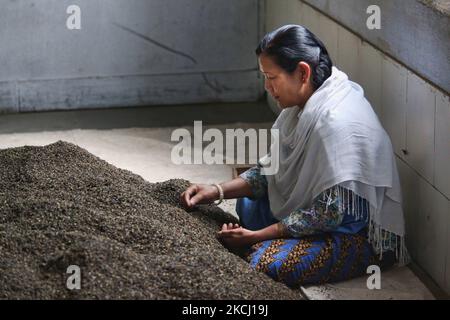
317	259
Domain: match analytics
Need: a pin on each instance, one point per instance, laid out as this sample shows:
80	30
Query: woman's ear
305	71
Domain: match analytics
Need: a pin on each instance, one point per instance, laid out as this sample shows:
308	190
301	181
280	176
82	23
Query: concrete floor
146	151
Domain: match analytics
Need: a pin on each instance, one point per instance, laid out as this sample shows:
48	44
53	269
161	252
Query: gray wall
411	32
128	52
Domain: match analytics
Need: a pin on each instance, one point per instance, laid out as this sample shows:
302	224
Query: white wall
414	113
127	53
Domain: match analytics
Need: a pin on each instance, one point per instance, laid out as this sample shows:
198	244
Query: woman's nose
268	86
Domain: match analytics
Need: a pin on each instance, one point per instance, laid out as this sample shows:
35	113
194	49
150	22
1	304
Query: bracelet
221	194
280	229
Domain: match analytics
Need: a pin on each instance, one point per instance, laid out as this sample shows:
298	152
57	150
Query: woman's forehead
266	65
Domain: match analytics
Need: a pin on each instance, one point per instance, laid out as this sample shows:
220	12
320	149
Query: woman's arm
326	214
249	184
257	182
205	193
274	231
236	236
236	188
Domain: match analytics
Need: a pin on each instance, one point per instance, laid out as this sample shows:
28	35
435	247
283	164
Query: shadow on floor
127	117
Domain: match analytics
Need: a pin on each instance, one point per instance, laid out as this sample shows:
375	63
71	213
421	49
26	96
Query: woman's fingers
183	199
188	194
228	232
196	199
223	230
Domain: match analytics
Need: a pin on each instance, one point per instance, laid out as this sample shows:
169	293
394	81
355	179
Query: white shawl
337	140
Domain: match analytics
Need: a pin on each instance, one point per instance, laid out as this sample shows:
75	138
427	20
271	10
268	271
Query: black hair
291	44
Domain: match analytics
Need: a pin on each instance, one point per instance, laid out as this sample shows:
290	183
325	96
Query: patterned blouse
329	211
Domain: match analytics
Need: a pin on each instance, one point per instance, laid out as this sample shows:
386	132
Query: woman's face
288	90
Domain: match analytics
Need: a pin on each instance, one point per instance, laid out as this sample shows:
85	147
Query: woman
337	181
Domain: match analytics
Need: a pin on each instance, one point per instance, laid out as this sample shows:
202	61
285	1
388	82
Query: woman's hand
205	193
236	236
199	194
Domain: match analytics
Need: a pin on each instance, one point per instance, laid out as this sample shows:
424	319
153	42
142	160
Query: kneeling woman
334	206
